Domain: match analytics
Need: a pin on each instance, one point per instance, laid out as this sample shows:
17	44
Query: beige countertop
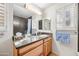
29	40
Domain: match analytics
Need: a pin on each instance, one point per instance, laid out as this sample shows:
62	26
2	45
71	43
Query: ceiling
42	6
19	9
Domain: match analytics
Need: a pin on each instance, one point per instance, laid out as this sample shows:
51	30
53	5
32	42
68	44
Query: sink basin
43	36
34	38
22	42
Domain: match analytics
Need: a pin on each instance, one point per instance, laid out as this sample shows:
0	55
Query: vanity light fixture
33	8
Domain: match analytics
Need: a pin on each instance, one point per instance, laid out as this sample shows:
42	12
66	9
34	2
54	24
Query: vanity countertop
29	40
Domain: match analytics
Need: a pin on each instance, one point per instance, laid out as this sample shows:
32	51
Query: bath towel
63	37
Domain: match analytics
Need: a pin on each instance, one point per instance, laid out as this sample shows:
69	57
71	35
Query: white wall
6	43
50	13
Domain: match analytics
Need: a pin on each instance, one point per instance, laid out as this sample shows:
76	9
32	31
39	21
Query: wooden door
47	47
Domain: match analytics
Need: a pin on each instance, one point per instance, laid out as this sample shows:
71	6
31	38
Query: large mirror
47	24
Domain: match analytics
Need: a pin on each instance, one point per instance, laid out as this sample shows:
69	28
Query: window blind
2	14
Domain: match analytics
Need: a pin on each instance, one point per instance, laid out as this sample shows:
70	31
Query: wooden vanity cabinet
40	48
31	48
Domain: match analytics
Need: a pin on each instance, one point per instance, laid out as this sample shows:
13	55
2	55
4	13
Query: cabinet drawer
29	47
35	52
47	39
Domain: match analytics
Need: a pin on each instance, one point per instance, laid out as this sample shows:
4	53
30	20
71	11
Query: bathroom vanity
42	46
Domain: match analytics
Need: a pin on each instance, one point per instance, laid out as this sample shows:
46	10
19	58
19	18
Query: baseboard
56	54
